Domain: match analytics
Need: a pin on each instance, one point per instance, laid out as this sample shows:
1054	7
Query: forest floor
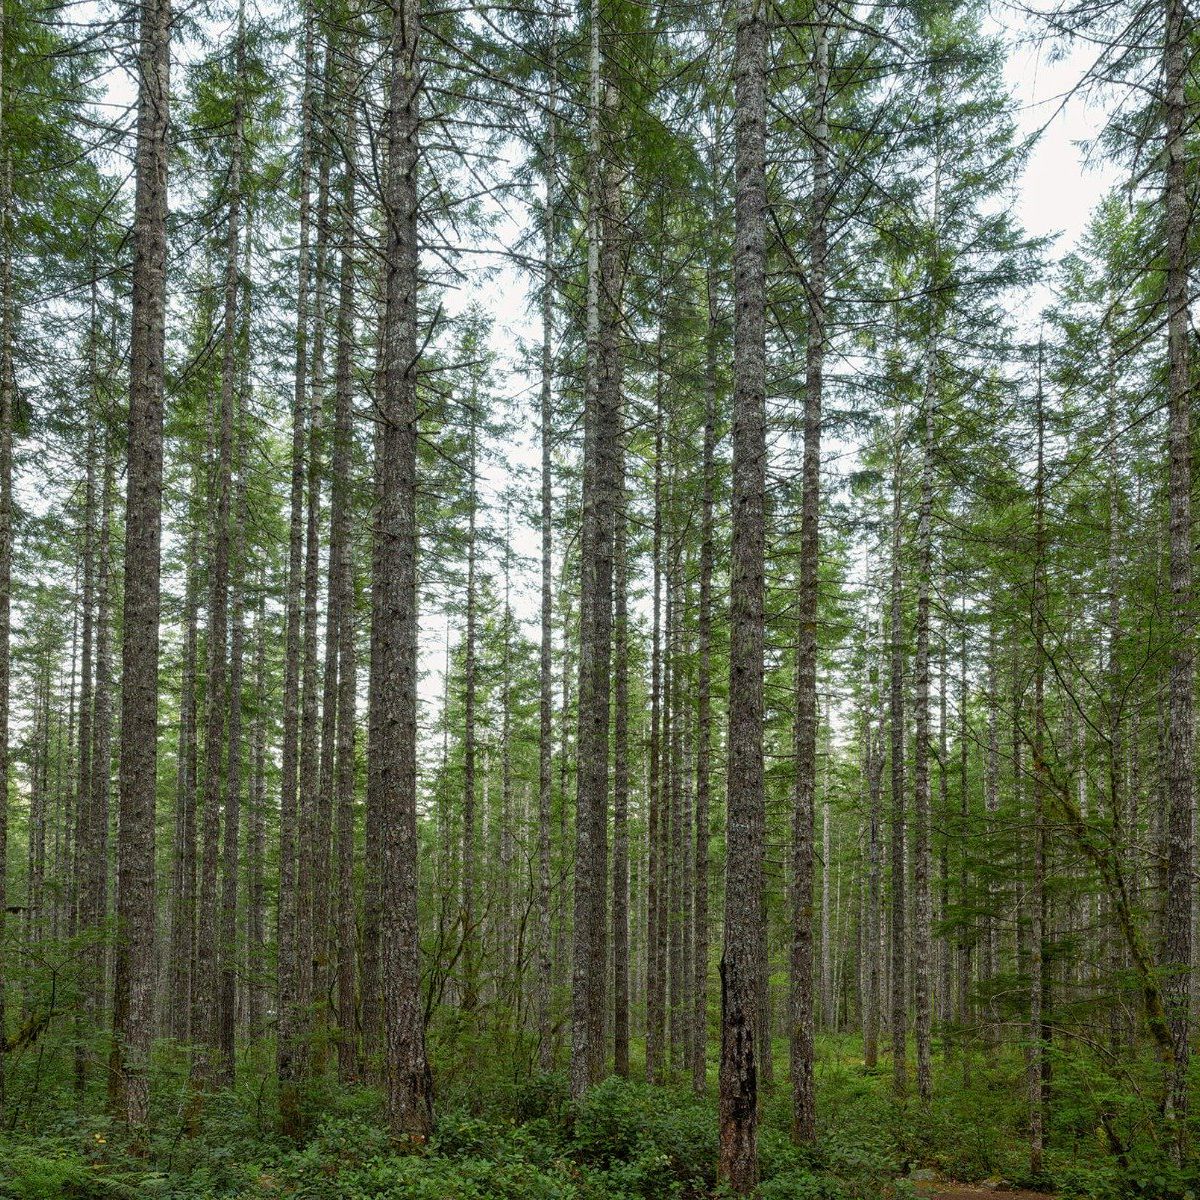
506	1134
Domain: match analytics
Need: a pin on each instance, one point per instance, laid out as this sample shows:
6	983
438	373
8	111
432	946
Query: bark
620	854
85	922
655	955
469	839
601	438
899	956
287	1043
341	623
804	1127
183	886
1037	907
673	713
6	557
229	965
922	850
312	864
704	708
102	721
738	1099
393	694
256	942
206	1015
133	982
873	736
545	986
1180	773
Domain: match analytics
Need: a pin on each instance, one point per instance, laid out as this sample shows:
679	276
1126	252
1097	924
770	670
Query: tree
133	979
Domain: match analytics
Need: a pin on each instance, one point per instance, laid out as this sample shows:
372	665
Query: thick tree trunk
601	439
133	982
738	1101
393	694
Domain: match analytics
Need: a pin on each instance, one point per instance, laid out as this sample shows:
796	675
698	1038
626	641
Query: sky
1059	190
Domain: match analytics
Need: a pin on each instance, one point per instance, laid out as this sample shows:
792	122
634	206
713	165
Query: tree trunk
7	384
1178	927
545	985
341	626
133	983
738	1101
393	693
620	867
206	1016
804	1127
899	962
601	437
704	707
287	1042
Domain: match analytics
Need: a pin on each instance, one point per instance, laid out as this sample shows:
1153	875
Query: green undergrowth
513	1136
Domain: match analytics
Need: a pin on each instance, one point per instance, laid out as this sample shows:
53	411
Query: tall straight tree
804	1125
133	976
393	693
545	659
600	486
287	1041
1180	771
745	802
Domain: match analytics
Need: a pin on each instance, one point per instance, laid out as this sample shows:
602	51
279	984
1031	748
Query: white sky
1058	194
1057	197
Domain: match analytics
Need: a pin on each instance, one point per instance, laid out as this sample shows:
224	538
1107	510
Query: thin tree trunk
1037	900
6	556
704	708
287	1042
545	987
341	626
899	957
1178	923
655	933
922	850
804	1127
183	887
207	1015
620	866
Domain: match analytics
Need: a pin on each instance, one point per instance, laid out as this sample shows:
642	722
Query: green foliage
521	1137
50	1169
